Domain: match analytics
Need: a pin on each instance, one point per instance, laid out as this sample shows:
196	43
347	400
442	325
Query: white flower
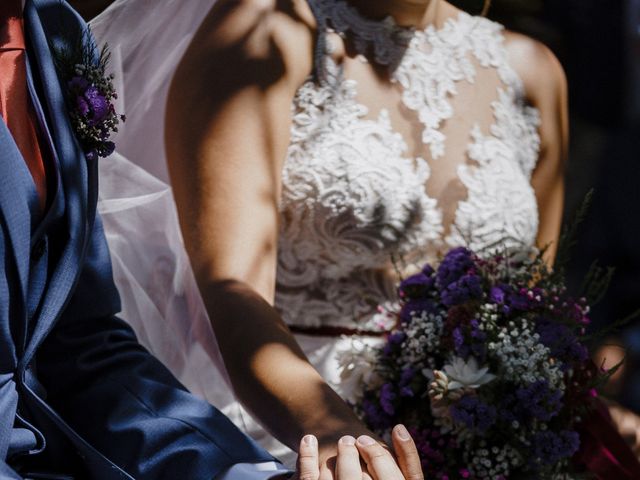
467	374
357	370
439	389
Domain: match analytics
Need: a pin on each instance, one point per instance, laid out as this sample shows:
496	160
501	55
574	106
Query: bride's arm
546	89
227	133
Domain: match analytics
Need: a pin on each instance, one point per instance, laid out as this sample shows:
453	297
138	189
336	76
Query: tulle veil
160	298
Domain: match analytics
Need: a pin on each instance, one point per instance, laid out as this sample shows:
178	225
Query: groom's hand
380	464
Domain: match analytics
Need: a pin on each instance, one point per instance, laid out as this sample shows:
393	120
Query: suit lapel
72	164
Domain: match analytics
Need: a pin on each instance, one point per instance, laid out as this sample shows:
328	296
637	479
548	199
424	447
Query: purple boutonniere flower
90	95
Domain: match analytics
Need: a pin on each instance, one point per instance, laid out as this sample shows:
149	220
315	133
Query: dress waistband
328	331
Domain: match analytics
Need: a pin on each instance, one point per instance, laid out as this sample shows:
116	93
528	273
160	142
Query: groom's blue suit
78	394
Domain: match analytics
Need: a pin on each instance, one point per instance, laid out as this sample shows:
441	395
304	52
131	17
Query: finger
407	453
328	465
308	459
348	463
380	462
326	473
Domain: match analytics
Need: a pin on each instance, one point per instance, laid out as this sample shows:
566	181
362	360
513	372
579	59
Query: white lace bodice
388	170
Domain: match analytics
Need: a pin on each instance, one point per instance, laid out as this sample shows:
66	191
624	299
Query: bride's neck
414	13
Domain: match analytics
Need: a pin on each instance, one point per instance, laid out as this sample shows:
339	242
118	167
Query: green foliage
569	237
596	283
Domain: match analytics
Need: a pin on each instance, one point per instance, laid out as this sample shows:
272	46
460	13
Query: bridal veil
160	299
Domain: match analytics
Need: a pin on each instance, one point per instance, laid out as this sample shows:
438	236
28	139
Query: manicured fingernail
348	440
310	440
402	432
366	441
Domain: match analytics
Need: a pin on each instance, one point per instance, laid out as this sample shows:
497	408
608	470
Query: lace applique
354	201
351	202
501	209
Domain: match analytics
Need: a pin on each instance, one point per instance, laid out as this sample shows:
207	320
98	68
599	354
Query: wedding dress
404	143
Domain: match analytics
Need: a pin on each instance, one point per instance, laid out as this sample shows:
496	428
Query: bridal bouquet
487	368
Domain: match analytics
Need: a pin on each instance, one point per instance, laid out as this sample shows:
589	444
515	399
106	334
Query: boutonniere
89	94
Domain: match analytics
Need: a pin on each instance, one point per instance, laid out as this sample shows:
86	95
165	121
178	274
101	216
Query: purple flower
459	345
394	341
406	379
83	106
562	342
537	400
78	85
387	399
455	264
396	338
468	287
418	286
374	415
498	294
408	374
432	445
428	270
100	106
471	343
525	299
415	308
417	280
90	102
407	392
474	414
478	341
550	447
518	300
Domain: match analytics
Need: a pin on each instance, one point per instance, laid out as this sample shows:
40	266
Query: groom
79	397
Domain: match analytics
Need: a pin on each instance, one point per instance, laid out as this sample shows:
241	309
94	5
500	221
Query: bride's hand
330	447
352	454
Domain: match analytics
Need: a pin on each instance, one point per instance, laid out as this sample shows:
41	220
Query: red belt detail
334	331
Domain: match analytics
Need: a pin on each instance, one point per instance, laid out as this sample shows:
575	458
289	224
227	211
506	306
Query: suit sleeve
121	399
252	471
7	473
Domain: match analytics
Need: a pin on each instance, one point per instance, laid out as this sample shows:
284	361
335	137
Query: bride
318	150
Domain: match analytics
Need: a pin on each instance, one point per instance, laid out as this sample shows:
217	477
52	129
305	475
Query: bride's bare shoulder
278	31
542	74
